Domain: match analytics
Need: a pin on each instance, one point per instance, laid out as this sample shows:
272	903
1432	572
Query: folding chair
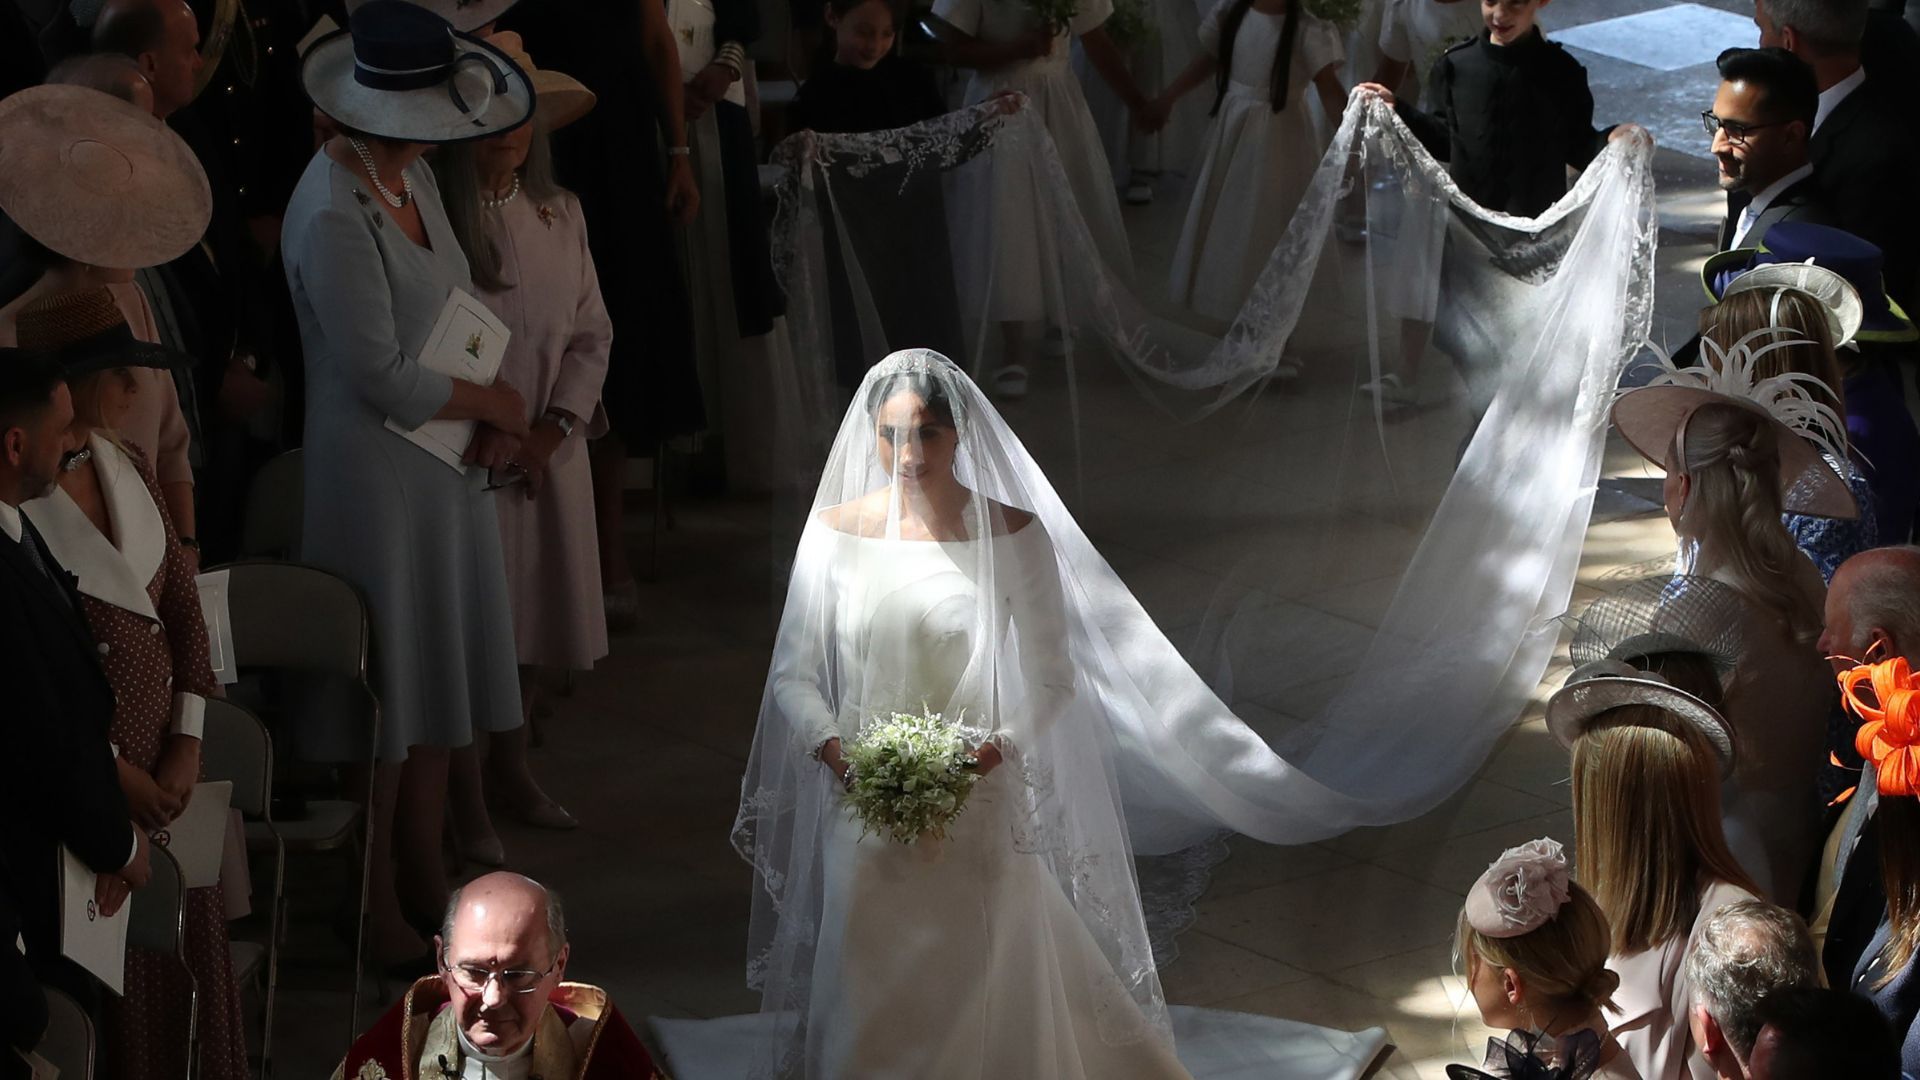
236	746
157	922
300	619
69	1041
271	525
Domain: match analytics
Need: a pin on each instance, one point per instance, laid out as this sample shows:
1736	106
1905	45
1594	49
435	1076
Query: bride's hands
831	758
988	758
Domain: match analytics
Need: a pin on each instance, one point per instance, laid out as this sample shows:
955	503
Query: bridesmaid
106	522
526	243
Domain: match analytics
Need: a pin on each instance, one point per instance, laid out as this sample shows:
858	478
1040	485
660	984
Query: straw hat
401	72
466	16
1605	685
559	99
99	181
86	333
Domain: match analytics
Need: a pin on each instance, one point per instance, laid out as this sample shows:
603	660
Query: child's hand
1374	89
1632	132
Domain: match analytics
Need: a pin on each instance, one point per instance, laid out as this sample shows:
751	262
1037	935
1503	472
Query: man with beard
1762	124
61	788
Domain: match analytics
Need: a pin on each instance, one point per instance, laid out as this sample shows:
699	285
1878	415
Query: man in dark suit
1869	618
1762	124
62	787
1863	146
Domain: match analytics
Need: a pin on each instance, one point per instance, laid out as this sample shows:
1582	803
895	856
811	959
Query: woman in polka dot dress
106	524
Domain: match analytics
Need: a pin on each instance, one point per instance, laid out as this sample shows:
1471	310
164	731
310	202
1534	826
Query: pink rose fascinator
1521	891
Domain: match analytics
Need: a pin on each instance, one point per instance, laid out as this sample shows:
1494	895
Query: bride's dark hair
929	389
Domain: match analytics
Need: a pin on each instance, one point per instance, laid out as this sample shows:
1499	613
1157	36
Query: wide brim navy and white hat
403	73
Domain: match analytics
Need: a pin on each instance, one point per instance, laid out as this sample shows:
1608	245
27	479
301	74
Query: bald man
1872	614
163	38
500	1009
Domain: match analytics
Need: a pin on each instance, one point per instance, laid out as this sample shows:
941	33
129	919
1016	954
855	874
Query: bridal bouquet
909	775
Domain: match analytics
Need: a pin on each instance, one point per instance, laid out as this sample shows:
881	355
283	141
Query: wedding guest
1798	335
628	56
105	521
1648	759
59	702
1886	697
213	303
1745	952
371	262
500	1005
1873	614
1861	133
1811	1033
85	239
1732	470
1535	948
526	241
1881	432
865	84
1761	124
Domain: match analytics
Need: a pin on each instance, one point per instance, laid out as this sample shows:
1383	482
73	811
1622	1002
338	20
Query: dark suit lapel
1837	122
1736	205
45	593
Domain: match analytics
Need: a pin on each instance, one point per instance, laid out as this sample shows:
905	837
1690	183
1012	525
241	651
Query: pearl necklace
373	174
513	193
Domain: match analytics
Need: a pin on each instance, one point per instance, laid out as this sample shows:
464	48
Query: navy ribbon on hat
414	57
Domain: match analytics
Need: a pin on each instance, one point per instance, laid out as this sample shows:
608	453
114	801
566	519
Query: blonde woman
1792	335
1732	468
1647	763
1534	945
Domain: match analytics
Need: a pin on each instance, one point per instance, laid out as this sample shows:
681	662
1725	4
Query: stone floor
1350	933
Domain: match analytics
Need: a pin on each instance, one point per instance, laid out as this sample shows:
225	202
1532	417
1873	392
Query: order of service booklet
467	342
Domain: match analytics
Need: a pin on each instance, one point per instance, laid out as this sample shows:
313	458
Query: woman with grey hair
526	244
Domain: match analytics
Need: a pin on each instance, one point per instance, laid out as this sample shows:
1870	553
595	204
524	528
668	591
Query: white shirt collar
10	522
477	1065
1765	199
1832	96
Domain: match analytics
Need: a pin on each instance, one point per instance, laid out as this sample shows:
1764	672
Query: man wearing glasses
500	1009
1762	127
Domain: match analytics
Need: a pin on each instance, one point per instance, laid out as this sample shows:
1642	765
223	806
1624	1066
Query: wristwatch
560	420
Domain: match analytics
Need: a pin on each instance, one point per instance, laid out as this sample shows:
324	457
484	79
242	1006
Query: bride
1016	945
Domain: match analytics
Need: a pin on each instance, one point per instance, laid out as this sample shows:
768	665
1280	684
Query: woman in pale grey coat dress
370	268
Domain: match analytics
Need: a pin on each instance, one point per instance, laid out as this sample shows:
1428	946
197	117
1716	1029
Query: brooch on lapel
370	1070
379	219
546	216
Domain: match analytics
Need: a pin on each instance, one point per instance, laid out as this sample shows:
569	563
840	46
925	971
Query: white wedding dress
955	958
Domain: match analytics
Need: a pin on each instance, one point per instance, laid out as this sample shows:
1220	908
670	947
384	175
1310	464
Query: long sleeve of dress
583	367
180	613
346	283
802	678
1041	640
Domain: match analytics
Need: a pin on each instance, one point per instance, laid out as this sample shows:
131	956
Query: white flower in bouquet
911	775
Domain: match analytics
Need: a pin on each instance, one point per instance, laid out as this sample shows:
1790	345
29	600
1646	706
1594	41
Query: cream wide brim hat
559	99
1650	417
425	115
98	180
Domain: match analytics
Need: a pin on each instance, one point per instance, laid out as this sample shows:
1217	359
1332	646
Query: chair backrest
271	525
292	617
156	919
69	1042
235	746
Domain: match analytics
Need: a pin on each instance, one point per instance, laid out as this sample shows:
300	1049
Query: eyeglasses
474	978
1737	132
